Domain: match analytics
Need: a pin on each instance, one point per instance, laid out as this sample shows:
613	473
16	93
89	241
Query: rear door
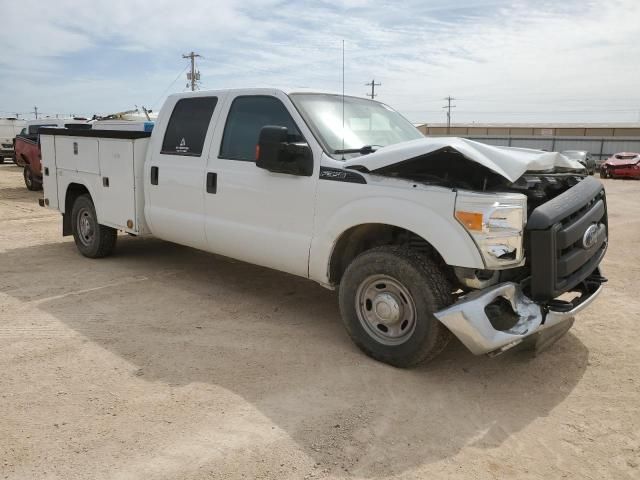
174	171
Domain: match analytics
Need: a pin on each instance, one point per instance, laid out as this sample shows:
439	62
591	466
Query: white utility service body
317	199
112	170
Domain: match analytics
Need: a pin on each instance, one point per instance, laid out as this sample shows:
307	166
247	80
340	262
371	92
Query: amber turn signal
471	220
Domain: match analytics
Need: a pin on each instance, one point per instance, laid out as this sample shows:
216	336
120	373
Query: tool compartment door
78	154
49	171
117	196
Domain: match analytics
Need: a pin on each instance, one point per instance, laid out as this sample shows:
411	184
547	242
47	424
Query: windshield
366	123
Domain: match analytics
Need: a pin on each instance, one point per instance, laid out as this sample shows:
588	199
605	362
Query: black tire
603	173
389	270
30	181
1	160
92	239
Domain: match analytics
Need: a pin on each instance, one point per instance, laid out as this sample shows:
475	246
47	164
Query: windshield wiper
362	150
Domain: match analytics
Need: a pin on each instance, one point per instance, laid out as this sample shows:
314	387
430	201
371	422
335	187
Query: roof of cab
260	90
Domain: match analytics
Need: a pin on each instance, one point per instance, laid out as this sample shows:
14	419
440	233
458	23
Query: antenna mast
342	99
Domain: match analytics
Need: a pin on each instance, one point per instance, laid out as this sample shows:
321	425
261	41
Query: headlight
496	224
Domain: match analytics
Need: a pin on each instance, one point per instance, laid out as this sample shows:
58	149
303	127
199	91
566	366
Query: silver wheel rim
27	177
386	309
85	226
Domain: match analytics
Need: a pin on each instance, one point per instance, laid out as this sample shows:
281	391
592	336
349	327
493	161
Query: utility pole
373	86
448	106
35	111
193	76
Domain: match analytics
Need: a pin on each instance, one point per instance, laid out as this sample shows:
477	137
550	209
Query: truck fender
444	234
72	189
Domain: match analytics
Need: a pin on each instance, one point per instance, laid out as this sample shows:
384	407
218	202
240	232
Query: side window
188	126
246	118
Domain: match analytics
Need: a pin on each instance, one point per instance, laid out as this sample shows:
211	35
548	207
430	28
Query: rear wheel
30	181
92	239
388	296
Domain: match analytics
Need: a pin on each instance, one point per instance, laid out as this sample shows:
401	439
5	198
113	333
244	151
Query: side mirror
276	153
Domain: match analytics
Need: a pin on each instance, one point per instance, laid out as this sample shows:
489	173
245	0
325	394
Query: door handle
212	182
154	175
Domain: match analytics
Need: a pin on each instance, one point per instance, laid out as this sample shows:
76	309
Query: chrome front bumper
468	320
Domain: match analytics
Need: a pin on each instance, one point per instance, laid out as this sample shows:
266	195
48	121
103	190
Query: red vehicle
624	164
27	150
27	147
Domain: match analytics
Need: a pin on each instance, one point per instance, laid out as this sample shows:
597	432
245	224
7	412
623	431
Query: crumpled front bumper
468	320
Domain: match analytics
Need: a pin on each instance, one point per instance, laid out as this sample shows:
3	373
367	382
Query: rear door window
188	125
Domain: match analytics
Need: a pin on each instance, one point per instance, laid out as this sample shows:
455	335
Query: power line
170	85
448	106
194	75
373	86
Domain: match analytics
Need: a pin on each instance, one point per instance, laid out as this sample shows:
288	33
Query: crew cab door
252	214
174	170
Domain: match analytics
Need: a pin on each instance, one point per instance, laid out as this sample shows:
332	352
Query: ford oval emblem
590	236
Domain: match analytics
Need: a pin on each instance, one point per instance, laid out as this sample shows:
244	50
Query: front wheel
30	181
388	296
92	239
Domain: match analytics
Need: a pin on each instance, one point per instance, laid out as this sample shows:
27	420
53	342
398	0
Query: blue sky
504	61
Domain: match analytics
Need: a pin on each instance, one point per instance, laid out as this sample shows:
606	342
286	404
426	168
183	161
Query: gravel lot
163	362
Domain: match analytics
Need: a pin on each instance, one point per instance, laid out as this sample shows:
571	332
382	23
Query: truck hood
509	162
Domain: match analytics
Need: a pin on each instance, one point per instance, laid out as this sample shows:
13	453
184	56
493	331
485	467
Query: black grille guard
567	239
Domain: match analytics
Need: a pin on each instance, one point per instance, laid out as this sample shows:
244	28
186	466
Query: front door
252	214
174	173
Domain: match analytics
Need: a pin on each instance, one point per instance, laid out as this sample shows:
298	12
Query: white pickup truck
425	238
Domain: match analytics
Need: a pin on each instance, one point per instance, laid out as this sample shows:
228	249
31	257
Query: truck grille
567	239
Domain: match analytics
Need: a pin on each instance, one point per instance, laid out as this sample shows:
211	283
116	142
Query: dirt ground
163	362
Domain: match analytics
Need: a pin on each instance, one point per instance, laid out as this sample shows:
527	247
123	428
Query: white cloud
505	61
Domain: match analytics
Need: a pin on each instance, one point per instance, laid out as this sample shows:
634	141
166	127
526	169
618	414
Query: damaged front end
539	223
565	238
495	319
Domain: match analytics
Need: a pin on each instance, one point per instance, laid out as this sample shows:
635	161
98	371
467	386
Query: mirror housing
276	153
